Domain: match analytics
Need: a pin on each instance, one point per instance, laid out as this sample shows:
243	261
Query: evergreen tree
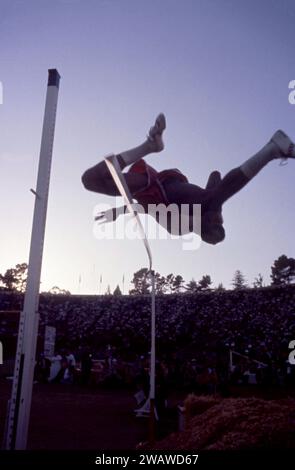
56	290
220	288
283	271
177	284
108	291
160	284
170	282
258	281
141	282
117	291
191	286
239	281
205	283
15	279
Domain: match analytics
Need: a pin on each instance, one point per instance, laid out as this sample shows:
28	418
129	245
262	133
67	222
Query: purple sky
219	69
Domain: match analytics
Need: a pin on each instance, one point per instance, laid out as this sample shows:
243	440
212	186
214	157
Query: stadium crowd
195	333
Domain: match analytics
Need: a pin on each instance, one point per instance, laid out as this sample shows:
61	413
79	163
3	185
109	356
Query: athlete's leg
232	183
179	192
211	199
280	146
98	178
235	180
186	193
217	192
215	195
213	180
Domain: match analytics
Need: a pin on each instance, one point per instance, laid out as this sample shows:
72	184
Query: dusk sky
218	69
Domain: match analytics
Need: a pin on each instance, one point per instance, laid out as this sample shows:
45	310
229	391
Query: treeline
282	273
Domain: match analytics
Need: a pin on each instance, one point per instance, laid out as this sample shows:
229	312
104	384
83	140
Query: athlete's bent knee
90	183
214	236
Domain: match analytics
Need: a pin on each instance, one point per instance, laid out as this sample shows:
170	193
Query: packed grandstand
238	336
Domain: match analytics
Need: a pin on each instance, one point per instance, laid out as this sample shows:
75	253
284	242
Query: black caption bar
141	459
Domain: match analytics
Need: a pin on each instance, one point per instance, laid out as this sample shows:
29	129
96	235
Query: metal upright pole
118	177
20	403
153	360
230	360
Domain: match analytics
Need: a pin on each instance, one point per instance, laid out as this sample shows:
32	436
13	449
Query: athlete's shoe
155	133
285	145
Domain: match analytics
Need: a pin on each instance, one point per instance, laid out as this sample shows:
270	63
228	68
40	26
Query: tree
283	271
141	282
174	283
15	279
177	284
205	283
21	274
191	286
57	291
258	281
170	281
220	288
239	281
108	291
160	284
117	291
8	279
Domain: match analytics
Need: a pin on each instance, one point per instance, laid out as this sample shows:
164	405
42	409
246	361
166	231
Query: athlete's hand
109	215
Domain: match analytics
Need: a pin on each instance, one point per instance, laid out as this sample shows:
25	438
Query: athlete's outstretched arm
111	215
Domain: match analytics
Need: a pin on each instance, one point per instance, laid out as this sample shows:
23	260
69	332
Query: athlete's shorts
154	192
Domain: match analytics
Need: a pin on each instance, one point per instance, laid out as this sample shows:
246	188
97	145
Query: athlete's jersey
154	192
